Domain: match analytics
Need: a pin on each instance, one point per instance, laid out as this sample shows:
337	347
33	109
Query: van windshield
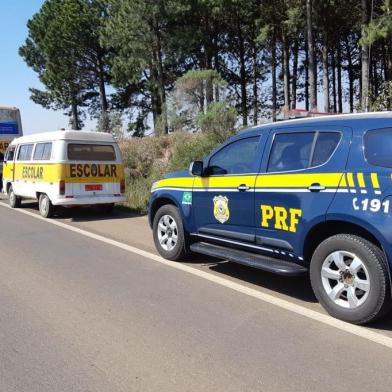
91	152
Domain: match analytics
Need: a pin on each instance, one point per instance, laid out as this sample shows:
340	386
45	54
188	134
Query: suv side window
238	157
291	151
302	150
25	152
378	147
325	146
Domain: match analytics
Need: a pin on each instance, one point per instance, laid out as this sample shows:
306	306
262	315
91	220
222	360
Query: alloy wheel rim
345	279
44	205
167	232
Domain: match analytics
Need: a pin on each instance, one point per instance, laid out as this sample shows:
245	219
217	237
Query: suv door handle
316	187
243	187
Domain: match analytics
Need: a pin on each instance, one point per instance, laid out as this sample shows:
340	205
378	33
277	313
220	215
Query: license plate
92	188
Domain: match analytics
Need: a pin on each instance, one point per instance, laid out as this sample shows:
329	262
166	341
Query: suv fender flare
159	199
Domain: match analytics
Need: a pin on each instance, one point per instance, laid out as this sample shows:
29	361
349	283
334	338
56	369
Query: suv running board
265	263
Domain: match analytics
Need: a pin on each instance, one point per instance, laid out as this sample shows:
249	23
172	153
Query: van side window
43	151
25	152
91	152
9	156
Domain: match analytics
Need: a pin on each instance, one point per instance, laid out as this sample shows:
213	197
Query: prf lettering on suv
300	196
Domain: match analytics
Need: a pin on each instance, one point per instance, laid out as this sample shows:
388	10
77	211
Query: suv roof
341	119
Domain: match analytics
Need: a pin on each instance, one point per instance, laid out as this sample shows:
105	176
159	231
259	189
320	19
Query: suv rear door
301	171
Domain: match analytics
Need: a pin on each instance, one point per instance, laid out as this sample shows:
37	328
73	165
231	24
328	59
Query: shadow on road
86	214
296	287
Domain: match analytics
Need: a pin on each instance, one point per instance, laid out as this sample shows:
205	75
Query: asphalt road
78	314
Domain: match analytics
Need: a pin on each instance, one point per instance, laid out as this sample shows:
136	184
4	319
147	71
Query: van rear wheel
15	201
46	208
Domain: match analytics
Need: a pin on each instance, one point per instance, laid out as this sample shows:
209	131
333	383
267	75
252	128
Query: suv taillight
62	187
122	186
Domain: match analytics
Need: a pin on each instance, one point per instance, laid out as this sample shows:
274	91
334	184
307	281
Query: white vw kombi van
64	168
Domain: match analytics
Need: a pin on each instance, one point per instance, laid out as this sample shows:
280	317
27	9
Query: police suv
291	197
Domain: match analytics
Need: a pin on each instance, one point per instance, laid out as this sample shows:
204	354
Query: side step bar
265	263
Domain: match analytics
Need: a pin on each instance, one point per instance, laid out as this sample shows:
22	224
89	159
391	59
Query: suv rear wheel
169	235
350	279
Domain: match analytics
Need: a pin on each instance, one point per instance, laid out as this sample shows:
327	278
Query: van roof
66	135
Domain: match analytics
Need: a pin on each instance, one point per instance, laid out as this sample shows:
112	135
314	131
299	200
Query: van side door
301	172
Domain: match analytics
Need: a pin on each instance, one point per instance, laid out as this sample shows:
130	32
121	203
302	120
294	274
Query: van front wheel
46	208
15	201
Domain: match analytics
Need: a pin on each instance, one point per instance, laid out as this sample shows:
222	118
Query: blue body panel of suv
277	193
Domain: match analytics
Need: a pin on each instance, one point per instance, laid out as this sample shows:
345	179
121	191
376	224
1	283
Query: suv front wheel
169	236
350	279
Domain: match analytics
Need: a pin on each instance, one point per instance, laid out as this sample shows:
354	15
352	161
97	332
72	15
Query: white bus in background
10	128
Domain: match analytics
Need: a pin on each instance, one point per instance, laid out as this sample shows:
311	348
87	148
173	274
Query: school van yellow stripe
70	173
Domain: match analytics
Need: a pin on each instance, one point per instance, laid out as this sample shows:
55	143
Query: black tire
179	251
15	201
46	208
377	301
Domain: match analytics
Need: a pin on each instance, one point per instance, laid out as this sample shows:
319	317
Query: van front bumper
87	200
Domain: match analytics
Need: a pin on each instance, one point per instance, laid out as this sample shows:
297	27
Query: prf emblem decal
221	208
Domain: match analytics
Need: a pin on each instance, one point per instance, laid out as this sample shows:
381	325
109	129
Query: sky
16	77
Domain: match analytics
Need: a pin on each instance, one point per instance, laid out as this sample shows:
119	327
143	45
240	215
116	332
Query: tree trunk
161	77
389	61
325	77
255	87
335	106
286	75
350	76
243	81
339	68
294	77
75	117
306	65
102	89
364	59
217	68
273	71
312	57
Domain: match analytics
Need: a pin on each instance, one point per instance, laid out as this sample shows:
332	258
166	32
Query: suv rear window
378	147
91	152
302	150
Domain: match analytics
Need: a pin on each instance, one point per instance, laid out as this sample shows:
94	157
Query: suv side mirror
196	168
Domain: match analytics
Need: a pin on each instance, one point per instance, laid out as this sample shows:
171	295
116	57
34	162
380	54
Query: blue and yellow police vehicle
300	196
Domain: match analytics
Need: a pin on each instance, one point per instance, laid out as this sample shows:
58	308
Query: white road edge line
281	303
